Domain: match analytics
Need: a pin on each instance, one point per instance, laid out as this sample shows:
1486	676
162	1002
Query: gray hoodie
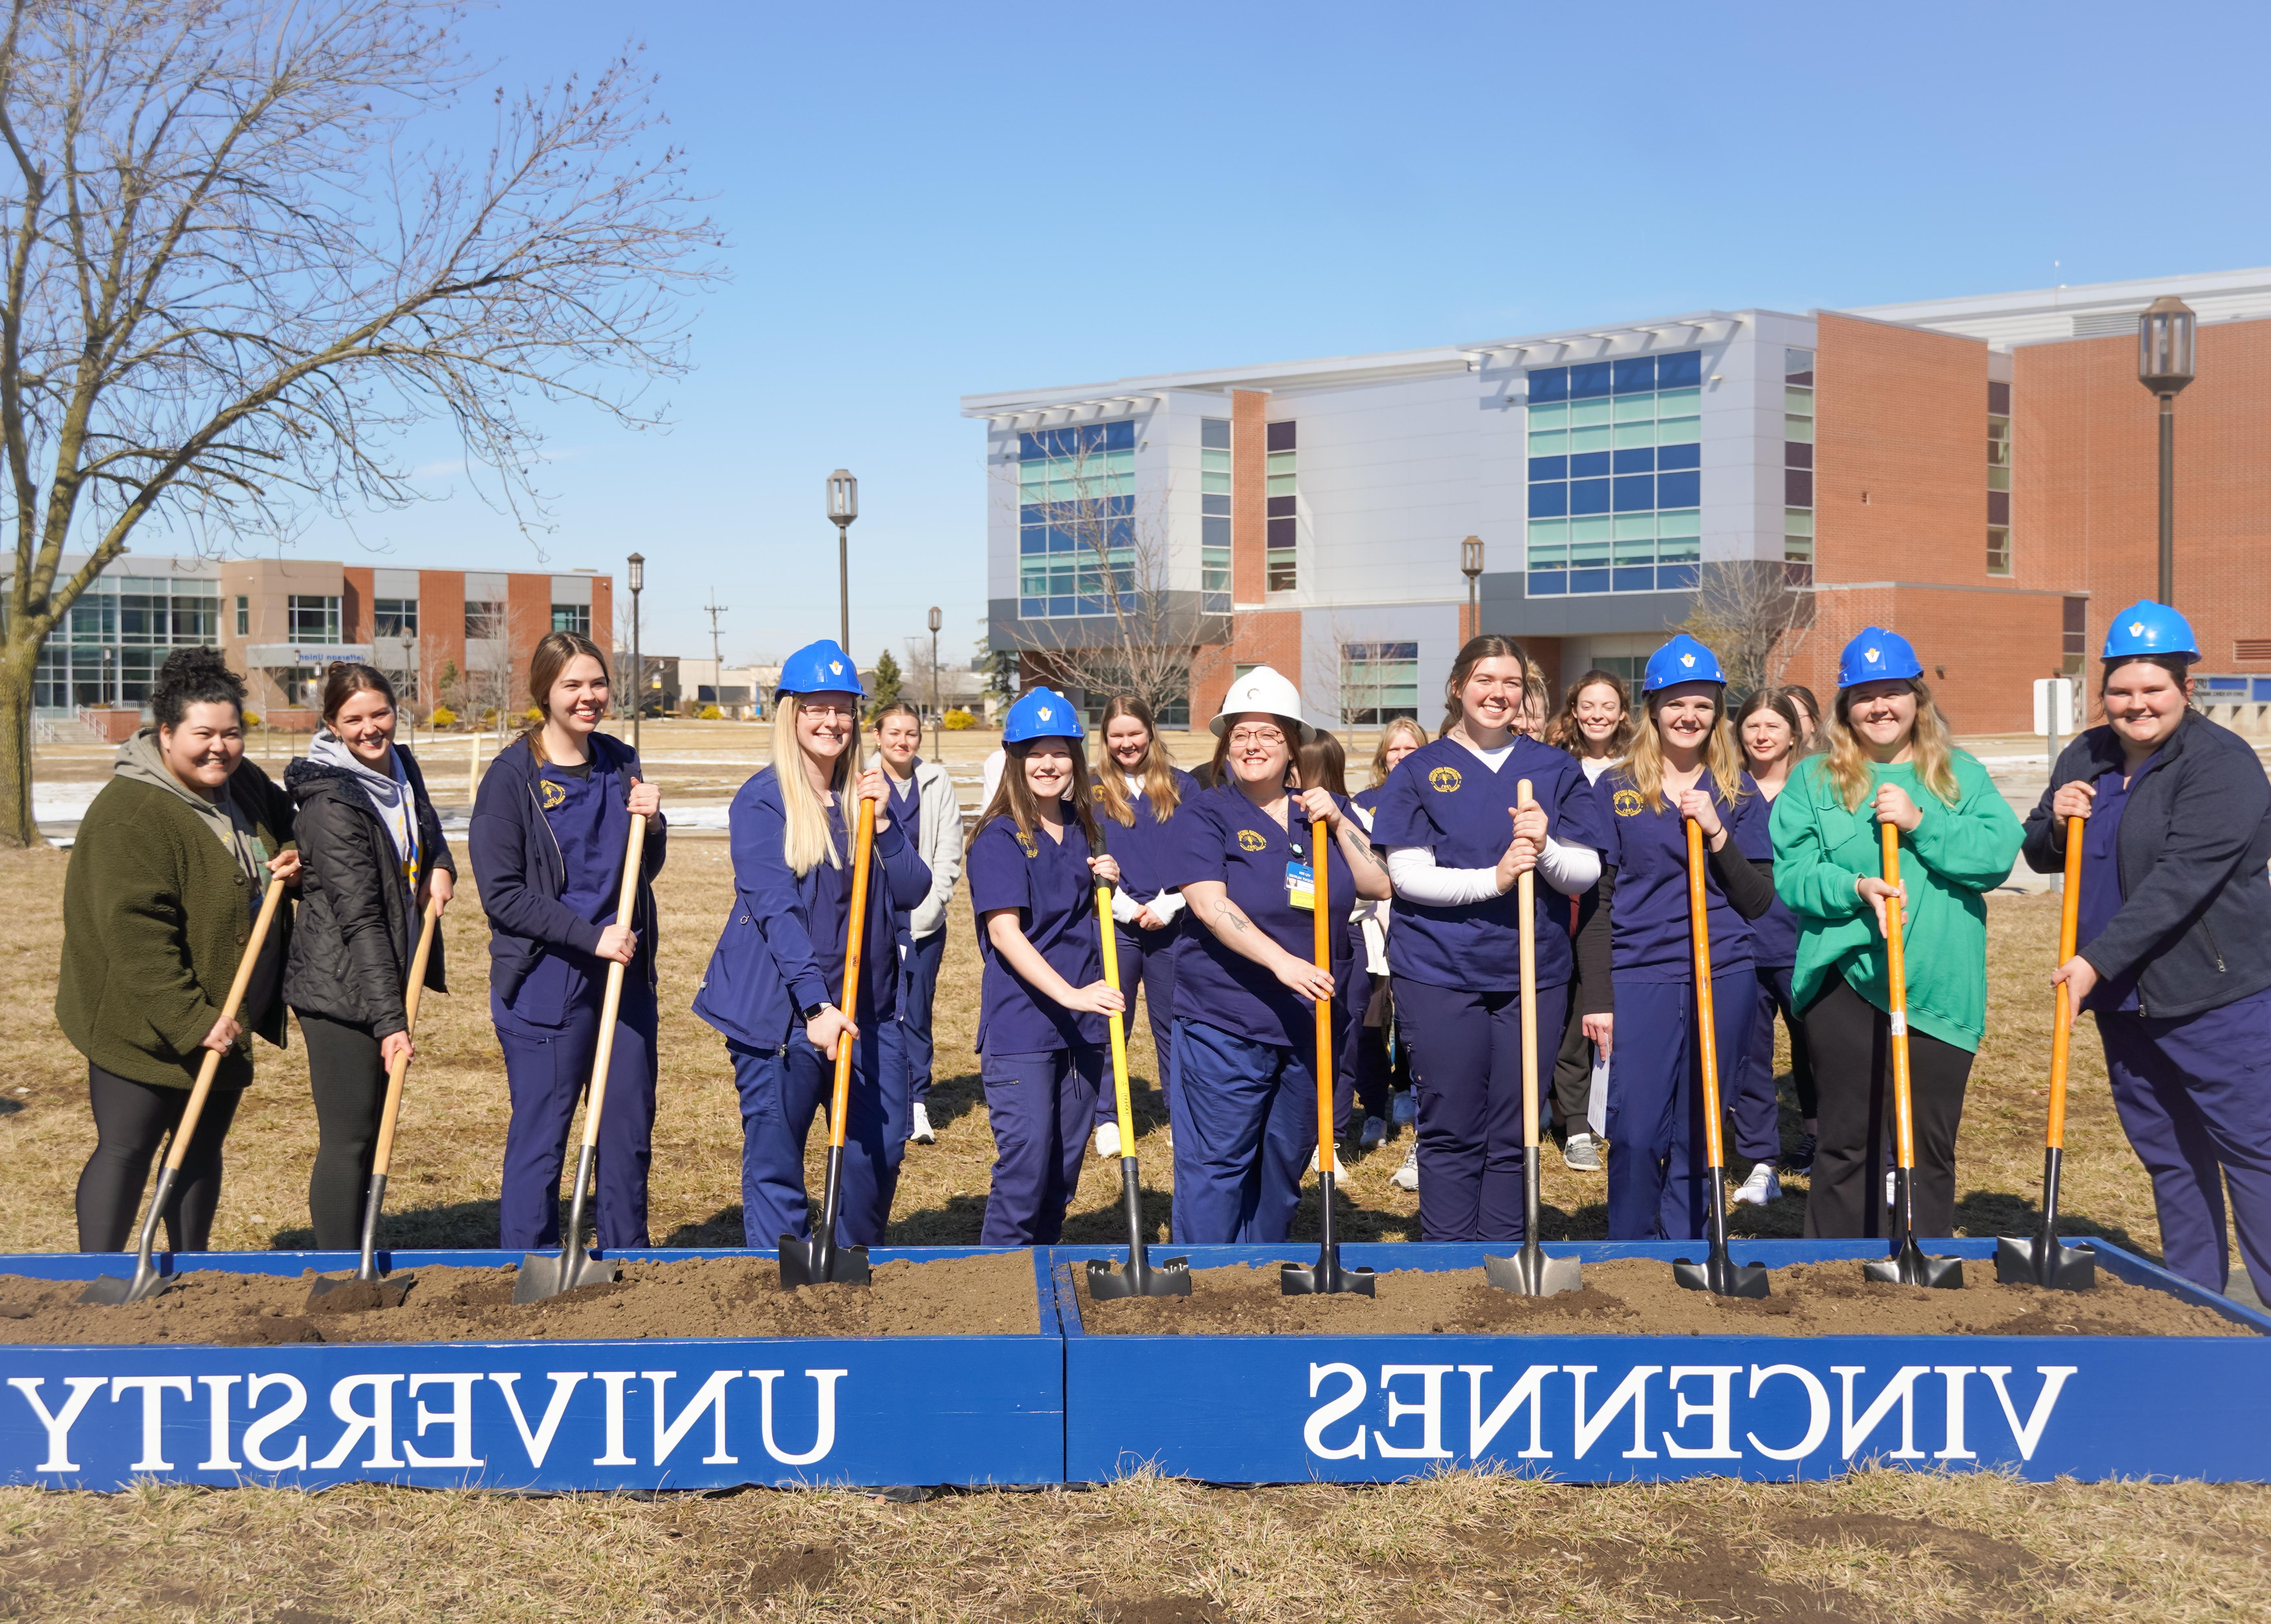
139	759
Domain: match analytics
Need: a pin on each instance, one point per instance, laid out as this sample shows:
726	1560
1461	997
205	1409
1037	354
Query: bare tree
1755	614
233	285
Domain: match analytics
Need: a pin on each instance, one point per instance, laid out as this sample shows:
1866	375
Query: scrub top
905	809
1049	883
1142	850
588	812
2102	895
1647	914
1445	797
1222	836
1775	931
832	913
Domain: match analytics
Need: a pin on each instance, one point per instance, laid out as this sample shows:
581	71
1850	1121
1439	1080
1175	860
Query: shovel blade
108	1290
2055	1267
387	1292
1909	1266
543	1275
1109	1281
1531	1273
801	1264
1325	1278
1721	1275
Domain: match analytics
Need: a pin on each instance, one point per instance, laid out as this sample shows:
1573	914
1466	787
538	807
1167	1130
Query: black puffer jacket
351	950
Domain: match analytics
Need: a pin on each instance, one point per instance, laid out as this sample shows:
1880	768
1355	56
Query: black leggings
1852	1040
348	1079
131	1120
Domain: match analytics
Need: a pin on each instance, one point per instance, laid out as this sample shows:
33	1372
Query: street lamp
843	508
2165	365
637	563
937	715
1471	565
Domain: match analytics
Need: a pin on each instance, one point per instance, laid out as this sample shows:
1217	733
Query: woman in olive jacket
165	882
374	854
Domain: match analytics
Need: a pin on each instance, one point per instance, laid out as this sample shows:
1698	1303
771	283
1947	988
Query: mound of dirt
1636	1297
700	1296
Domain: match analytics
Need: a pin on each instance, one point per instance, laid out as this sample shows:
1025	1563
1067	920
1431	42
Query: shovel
541	1277
1718	1274
820	1261
1136	1277
147	1282
2041	1259
1529	1273
1908	1265
1325	1276
383	1158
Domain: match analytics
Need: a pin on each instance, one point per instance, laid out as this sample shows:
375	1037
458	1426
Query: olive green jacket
157	910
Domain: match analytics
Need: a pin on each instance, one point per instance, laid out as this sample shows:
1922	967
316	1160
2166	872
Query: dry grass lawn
1877	1545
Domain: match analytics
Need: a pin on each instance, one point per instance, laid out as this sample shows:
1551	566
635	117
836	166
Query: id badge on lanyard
1301	886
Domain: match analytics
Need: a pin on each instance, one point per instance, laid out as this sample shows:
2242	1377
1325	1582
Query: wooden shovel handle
626	907
863	845
208	1067
382	1160
2062	1025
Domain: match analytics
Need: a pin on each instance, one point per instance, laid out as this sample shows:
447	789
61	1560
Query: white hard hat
1264	690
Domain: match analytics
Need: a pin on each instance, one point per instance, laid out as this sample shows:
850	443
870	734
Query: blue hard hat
1043	713
821	667
2149	628
1877	656
1683	659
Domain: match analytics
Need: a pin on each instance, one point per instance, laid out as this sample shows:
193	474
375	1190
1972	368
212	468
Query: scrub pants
1040	1105
1467	1054
1852	1040
1659	1187
1757	1135
2194	1095
1361	1076
918	990
1245	1116
1147	959
546	1070
782	1091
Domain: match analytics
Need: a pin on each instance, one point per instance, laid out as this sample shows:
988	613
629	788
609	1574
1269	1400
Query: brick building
1978	473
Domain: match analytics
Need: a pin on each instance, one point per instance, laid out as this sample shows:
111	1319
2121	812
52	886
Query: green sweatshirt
1953	857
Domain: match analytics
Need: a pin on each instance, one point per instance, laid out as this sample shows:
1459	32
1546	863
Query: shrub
442	716
956	719
533	716
711	713
252	718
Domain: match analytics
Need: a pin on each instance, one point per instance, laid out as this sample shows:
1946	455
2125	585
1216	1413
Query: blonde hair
1848	761
1013	798
1157	768
1395	724
1643	763
806	839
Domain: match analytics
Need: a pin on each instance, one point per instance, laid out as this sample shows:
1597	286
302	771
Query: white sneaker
1374	1130
1407	1176
1760	1189
923	1132
1404	1110
1339	1172
1582	1153
1107	1141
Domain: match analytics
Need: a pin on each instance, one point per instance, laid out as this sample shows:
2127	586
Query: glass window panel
1545	416
1280	463
1551	442
1590	439
1626	578
1589	496
1635	376
1635	551
1214	532
1588	530
1280	437
1797	488
1063	490
1213	433
1548	532
1685	368
1635	492
1686	456
1999	398
1123	464
1678	549
1549	501
1797	549
1640	461
1799	429
1796	361
1280	484
1797	454
1635	408
1679	490
1214	461
1589	379
1031	473
1587	413
1215	502
1678	521
1031	539
1214	484
1797	400
1589	581
1549	468
1550	383
1631	526
1281	532
1635	434
1998	479
1032	608
1551	583
1280	507
1675	578
1998	507
1583	552
1281	577
1589	466
1678	430
1999	551
1548	557
1677	402
1797	522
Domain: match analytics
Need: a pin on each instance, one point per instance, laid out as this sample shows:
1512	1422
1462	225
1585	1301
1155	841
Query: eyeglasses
821	709
1246	738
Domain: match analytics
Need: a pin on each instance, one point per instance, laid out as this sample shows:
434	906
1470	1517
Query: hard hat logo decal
836	668
1688	659
1870	656
2136	628
1043	713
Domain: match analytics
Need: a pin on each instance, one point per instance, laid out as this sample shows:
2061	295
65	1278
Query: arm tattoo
1227	915
1350	832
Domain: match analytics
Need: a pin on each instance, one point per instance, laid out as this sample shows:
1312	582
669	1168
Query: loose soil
701	1297
1636	1297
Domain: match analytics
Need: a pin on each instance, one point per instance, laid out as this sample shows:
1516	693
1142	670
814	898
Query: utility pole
715	610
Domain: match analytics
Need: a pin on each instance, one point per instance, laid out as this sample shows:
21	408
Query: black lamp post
2165	365
937	715
637	563
1471	565
843	508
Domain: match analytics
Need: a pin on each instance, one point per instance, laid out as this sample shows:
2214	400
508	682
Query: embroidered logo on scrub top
1252	840
554	795
1026	845
1096	792
1444	780
1628	803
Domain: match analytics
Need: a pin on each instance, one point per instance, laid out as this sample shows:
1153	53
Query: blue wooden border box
653	1414
1367	1408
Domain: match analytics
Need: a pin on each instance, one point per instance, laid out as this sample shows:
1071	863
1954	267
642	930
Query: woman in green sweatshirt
165	882
1889	760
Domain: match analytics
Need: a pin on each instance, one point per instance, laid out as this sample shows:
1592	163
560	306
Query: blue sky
924	201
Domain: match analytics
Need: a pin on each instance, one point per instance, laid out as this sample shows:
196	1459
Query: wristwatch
811	1012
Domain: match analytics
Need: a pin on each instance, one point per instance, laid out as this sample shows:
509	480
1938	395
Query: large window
484	618
2075	642
1214	515
1998	479
1615	475
1797	461
576	617
313	618
107	649
1280	569
1378	682
1076	519
394	617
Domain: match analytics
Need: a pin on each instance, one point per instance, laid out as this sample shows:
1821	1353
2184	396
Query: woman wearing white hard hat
1246	987
2175	934
1889	760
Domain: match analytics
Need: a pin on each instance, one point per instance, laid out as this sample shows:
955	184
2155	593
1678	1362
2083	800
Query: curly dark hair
194	676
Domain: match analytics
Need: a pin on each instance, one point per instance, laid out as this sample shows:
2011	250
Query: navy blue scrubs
919	958
1751	1099
1244	1106
1147	957
2193	1092
1657	1186
1041	1063
1457	972
1361	1074
549	1030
